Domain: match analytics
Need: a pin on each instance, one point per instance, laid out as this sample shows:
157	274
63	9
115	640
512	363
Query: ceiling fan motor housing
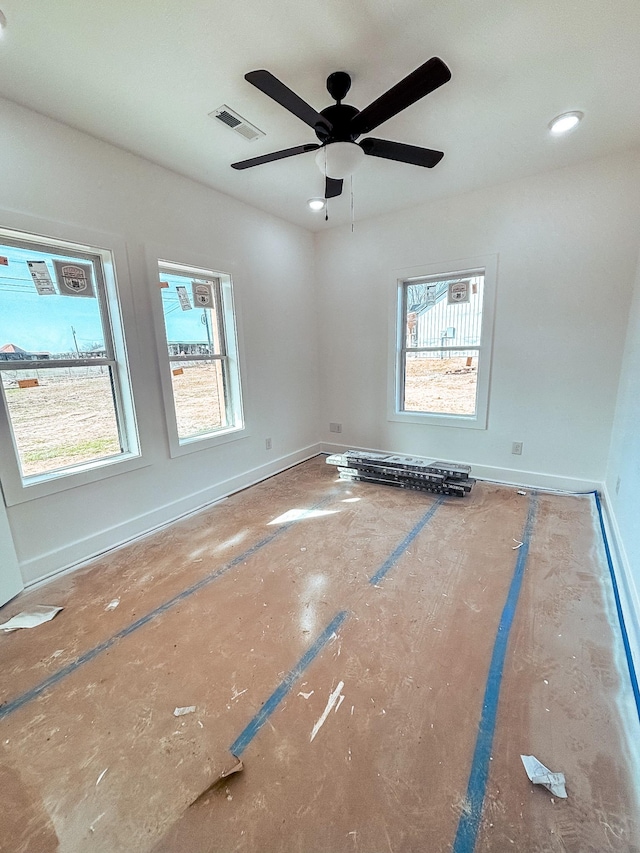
339	117
338	84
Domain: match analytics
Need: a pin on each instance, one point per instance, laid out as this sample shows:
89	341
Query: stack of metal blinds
406	472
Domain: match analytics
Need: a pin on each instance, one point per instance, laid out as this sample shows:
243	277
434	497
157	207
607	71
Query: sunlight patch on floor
300	514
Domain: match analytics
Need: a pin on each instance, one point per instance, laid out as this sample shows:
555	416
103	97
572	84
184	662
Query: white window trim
233	330
488	263
121	314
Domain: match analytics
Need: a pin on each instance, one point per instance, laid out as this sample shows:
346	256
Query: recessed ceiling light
565	122
316	203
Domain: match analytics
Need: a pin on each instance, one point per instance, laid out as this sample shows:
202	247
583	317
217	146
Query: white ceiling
144	74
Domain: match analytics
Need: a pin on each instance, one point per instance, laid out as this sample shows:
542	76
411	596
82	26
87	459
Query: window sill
429	419
43	485
207	441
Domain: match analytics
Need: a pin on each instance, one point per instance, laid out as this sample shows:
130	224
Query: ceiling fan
338	126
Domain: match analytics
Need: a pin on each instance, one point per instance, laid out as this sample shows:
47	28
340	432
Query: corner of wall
629	594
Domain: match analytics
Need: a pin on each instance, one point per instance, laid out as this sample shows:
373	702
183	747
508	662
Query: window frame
229	325
486	265
114	292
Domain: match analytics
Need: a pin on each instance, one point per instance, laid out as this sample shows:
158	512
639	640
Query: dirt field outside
441	385
63	420
198	391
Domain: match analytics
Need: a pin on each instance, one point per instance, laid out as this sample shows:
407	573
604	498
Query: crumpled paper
30	618
541	775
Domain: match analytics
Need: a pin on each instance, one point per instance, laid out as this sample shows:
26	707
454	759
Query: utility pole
205	321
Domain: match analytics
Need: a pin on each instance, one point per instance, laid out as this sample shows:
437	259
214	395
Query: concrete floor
263	612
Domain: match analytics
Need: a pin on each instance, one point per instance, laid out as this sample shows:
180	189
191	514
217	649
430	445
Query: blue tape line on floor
616	594
467	832
251	730
402	547
20	701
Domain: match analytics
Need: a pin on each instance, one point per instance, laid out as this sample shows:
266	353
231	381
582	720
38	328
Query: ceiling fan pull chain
352	217
326	201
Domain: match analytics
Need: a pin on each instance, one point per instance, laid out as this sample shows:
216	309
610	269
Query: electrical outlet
516	448
267	444
335	427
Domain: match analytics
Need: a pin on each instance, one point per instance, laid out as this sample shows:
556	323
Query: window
67	404
442	352
201	352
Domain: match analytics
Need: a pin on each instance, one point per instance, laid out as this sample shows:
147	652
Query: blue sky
43	323
184	326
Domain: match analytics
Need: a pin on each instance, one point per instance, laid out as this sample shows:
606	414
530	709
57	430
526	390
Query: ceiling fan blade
275	155
271	86
332	187
401	152
416	85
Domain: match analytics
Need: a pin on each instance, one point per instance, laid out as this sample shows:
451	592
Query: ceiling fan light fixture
339	159
565	122
316	204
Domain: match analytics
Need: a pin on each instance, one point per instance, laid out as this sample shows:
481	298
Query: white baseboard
506	476
75	554
627	589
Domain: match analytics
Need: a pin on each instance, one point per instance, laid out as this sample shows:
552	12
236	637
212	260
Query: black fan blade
401	152
332	187
275	155
419	83
271	86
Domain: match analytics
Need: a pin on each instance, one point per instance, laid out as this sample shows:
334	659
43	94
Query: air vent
240	125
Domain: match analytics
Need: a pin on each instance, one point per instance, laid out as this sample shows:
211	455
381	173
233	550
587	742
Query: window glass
61	381
39	315
442	320
198	393
200	338
440	363
445	383
191	329
61	417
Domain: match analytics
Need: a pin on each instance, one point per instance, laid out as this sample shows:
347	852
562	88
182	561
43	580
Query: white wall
623	474
567	243
10	576
50	171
